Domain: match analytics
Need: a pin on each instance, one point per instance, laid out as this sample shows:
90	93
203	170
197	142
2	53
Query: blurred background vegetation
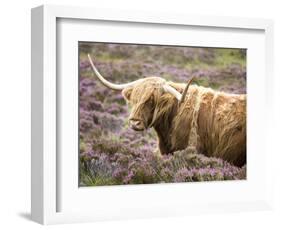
218	68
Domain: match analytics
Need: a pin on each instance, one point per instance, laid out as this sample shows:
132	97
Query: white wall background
15	112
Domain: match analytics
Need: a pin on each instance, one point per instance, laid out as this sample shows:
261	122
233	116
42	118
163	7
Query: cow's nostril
135	121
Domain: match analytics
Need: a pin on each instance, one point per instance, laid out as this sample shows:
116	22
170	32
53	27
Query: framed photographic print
138	114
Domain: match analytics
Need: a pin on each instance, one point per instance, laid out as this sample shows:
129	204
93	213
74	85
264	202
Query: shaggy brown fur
214	122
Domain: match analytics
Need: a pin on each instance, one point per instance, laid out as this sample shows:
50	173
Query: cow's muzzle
136	124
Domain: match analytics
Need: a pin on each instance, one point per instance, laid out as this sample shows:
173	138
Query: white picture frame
47	182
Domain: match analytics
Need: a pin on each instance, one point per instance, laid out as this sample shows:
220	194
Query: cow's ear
127	93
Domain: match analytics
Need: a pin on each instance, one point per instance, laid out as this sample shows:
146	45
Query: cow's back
222	126
214	122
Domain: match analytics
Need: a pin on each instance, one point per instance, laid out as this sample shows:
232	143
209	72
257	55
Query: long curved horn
109	84
169	89
185	90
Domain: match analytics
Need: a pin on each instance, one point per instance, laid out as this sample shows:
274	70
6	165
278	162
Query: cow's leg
162	144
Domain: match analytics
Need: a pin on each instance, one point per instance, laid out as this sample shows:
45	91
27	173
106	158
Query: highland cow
187	115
